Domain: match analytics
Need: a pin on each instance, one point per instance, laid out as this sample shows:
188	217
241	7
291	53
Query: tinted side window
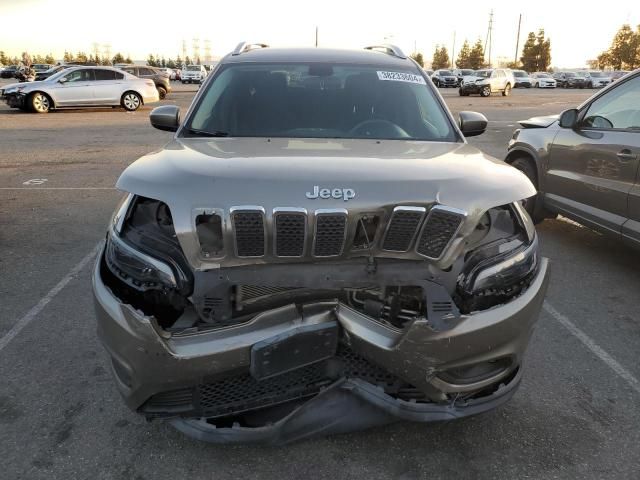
618	108
105	74
146	71
118	75
79	76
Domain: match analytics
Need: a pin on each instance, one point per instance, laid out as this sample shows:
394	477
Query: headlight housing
136	269
502	264
142	249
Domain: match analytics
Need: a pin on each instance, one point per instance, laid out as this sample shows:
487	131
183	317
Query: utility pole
316	36
488	39
515	59
453	48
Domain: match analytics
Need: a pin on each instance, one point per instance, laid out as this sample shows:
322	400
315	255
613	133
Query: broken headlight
142	249
135	268
503	261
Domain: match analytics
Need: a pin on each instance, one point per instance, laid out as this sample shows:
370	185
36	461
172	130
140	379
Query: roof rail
388	49
245	47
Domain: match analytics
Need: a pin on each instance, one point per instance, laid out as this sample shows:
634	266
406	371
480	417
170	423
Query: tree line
158	61
536	55
624	52
83	57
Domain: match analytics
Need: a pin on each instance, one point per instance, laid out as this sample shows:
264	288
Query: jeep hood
539	122
191	174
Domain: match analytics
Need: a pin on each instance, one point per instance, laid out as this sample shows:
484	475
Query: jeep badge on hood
345	193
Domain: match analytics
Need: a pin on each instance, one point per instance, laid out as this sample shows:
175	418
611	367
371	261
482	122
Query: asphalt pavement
576	415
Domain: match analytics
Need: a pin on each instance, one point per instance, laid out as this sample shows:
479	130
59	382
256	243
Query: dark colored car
317	250
9	72
444	78
44	75
586	162
160	78
570	80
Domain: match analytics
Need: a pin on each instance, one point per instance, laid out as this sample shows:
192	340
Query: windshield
446	72
466	72
193	67
483	73
519	73
569	75
542	75
596	74
319	100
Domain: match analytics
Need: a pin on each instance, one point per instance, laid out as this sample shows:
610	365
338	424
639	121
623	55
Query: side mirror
166	117
62	80
569	118
472	123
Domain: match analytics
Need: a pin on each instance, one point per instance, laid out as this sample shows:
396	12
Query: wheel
486	91
40	103
530	204
131	101
506	91
162	93
590	85
183	82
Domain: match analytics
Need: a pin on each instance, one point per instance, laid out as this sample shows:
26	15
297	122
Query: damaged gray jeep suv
317	250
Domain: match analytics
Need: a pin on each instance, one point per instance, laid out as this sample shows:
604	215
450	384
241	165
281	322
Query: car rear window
193	67
320	101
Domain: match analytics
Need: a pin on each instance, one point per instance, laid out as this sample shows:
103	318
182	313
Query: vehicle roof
332	55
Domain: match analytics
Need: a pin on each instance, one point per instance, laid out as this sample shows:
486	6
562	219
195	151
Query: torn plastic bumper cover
347	405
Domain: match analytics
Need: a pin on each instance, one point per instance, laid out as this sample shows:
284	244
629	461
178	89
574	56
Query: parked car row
445	78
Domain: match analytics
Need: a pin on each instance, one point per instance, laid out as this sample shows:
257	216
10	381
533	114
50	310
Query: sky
578	30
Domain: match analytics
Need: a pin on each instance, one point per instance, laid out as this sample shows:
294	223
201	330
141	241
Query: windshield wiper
203	133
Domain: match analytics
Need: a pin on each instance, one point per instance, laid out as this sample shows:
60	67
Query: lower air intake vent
249	233
402	228
290	234
329	234
441	226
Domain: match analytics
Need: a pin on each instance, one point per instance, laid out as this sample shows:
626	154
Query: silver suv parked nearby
317	249
486	82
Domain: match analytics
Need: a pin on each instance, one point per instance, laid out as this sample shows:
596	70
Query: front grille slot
402	228
439	229
329	234
290	234
248	228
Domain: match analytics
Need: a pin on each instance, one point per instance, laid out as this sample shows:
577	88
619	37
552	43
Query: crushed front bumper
149	363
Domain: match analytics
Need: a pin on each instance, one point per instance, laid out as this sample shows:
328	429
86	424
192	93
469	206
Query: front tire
485	91
131	101
40	103
506	91
162	93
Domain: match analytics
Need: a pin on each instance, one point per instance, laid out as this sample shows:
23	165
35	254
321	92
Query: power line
515	59
488	40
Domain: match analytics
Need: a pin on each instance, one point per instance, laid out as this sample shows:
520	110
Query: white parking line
37	308
613	364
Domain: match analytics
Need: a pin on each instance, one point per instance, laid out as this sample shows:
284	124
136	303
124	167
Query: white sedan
82	87
543	80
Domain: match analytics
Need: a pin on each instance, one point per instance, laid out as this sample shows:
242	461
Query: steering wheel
378	127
